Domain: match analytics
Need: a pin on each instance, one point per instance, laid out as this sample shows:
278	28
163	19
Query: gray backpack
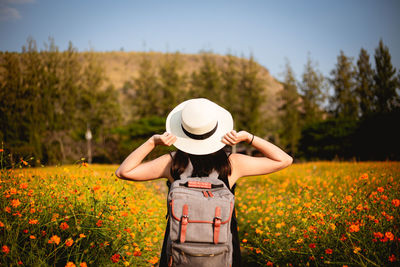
200	213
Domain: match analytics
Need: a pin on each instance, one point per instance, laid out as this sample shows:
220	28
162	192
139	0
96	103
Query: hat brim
199	147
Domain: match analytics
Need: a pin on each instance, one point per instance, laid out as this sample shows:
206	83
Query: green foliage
251	93
48	98
135	133
344	100
172	83
147	97
386	83
328	139
374	137
312	93
290	113
365	83
207	81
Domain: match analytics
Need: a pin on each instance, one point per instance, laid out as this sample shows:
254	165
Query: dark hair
203	165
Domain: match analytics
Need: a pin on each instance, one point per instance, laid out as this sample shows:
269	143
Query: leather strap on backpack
217	224
184	222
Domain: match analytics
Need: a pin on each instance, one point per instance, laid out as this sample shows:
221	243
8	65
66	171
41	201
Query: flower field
323	213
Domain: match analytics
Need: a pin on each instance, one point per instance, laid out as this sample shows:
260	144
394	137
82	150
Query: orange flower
392	258
244	240
137	253
13	191
82	235
354	228
115	258
70	264
83	264
23	185
15	203
378	235
5	249
69	242
1	224
389	236
396	202
64	226
54	239
328	251
33	221
153	260
99	223
349	198
380	189
32	237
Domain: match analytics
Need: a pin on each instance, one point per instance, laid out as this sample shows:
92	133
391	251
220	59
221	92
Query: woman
200	129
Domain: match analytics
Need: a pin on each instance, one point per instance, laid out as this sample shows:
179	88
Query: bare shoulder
244	165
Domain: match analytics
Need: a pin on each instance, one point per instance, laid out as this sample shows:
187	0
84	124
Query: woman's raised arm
132	167
274	158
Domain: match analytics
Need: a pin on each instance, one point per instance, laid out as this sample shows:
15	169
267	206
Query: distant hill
120	67
123	66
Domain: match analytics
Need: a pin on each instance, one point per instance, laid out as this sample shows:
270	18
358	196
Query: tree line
50	98
356	120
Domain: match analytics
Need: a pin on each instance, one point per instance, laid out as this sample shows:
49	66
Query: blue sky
271	31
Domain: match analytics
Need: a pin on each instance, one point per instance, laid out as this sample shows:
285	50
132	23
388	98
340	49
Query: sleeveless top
236	261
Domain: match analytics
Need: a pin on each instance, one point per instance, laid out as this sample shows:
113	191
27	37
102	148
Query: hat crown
198	116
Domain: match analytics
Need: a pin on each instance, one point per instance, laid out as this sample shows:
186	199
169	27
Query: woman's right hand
165	139
232	138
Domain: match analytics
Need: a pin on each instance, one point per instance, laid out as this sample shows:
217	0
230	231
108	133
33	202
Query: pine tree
171	82
312	93
230	86
385	80
207	81
344	100
365	83
290	115
251	95
146	101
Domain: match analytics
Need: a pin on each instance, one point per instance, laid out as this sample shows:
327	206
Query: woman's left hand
232	138
165	139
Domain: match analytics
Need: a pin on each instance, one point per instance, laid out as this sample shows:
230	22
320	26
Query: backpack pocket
197	254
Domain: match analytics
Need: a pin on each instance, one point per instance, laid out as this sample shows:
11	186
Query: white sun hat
199	126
